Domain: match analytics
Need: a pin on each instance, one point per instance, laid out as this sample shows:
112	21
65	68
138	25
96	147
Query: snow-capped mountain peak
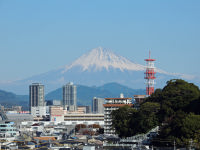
101	58
97	67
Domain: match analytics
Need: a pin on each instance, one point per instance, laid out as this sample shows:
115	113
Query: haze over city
38	36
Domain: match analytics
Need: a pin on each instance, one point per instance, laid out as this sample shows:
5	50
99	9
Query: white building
38	111
69	97
84	119
97	105
8	131
58	114
113	104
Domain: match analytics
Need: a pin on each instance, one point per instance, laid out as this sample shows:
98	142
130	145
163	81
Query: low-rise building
139	98
38	111
57	113
16	117
84	119
8	131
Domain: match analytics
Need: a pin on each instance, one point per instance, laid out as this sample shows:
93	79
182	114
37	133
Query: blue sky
37	36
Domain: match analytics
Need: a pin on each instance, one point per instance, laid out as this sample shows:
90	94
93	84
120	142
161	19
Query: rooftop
116	105
119	98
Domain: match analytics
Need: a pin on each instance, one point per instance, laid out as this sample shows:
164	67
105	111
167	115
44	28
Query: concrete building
36	95
84	119
139	98
88	109
38	111
69	97
53	102
17	117
113	104
57	113
56	102
97	105
36	100
84	109
8	131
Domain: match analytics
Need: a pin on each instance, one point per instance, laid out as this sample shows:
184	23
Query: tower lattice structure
150	75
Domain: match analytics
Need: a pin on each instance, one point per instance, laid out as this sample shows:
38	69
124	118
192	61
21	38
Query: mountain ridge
85	94
9	99
97	67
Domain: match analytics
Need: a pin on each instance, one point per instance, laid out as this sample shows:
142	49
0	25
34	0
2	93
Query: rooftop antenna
149	54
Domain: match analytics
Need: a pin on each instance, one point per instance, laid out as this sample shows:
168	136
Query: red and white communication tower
150	75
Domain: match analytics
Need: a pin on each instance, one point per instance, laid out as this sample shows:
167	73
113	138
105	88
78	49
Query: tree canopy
175	108
121	120
128	121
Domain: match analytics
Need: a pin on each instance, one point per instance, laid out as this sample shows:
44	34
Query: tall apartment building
36	95
113	104
36	100
69	97
97	105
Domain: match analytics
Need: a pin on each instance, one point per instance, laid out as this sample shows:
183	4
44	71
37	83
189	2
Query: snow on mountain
100	58
97	67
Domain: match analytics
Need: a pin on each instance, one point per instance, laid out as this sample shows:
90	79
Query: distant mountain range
9	99
85	94
95	68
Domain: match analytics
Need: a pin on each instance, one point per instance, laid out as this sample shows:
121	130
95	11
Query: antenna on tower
149	54
150	75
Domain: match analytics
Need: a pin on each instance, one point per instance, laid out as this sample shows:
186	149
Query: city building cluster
60	120
65	109
62	123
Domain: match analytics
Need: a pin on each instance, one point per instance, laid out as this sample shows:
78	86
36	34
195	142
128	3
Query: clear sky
37	36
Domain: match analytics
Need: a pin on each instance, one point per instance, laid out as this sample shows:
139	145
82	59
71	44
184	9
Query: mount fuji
95	68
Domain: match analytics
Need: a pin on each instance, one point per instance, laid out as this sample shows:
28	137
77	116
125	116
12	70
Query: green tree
194	106
128	121
175	108
180	93
176	95
177	100
191	127
183	128
145	119
121	120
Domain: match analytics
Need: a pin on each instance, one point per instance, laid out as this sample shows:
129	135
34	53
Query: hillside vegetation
175	108
9	99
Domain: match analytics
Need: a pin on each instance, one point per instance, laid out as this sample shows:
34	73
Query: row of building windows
8	130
